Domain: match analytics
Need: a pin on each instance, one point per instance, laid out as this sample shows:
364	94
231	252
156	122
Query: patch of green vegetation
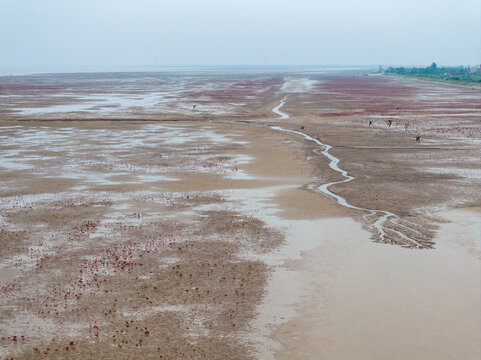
453	74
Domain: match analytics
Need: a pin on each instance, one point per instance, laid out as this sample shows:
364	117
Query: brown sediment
172	96
138	268
363	301
159	244
392	172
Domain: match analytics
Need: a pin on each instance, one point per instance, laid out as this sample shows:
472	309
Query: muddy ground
373	123
121	240
124	238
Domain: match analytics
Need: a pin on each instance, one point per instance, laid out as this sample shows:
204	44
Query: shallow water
381	302
68	152
103	103
298	85
277	110
361	300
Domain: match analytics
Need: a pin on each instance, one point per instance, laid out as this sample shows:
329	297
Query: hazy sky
79	33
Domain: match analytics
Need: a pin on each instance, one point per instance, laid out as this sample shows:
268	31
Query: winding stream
277	110
381	215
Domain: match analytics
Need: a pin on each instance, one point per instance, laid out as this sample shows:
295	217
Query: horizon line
64	69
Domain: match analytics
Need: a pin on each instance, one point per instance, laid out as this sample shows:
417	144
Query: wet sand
215	239
155	226
368	301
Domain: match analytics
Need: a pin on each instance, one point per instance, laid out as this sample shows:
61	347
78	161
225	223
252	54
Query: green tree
432	69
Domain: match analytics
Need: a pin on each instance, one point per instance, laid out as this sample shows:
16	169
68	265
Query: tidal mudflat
280	215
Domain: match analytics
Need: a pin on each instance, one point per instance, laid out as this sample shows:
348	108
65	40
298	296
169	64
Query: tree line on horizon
457	73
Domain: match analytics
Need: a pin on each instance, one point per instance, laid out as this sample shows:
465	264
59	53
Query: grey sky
78	33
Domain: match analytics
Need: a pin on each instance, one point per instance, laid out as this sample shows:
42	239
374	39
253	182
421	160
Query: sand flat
161	230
